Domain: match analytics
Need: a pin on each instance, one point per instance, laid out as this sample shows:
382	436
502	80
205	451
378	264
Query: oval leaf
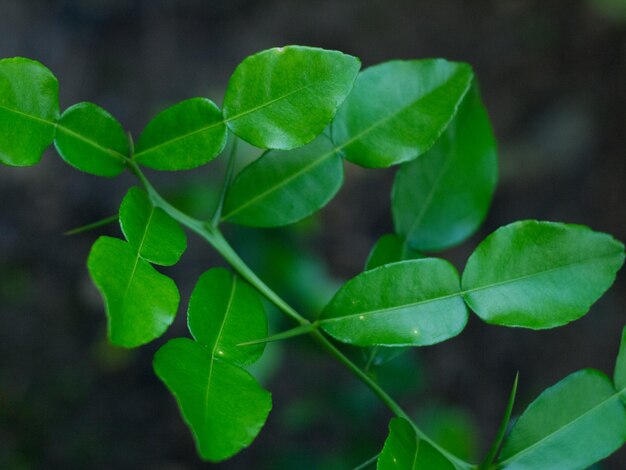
140	302
184	136
540	274
90	139
154	234
224	311
29	109
388	249
441	198
572	425
222	403
403	450
410	303
284	97
281	187
415	101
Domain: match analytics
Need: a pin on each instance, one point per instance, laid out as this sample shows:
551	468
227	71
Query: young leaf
90	139
619	377
222	403
158	238
410	303
284	97
184	136
140	302
540	274
398	109
572	425
29	109
283	187
388	249
441	198
224	311
403	450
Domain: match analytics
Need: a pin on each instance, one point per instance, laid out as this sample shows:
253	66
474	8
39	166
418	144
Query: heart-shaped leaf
29	110
403	450
184	136
91	140
222	403
390	248
154	234
140	302
442	197
283	187
540	274
284	97
225	311
572	425
410	303
414	103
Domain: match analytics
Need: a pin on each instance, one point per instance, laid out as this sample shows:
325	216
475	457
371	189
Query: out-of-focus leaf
390	248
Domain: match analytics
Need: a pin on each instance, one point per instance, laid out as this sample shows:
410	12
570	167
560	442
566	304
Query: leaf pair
527	274
140	302
222	403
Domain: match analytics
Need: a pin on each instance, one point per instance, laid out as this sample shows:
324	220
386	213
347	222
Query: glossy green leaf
222	403
158	238
390	248
540	274
184	136
140	302
403	450
398	109
90	139
284	97
619	377
571	425
282	187
410	303
29	109
225	311
441	198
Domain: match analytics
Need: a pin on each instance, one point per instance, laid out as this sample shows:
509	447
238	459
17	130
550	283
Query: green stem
368	463
228	177
93	225
215	238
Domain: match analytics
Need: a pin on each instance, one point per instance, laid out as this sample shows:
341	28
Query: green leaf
572	424
441	198
154	234
284	97
90	139
184	136
140	302
619	377
29	109
225	311
388	249
222	403
283	187
403	450
410	303
398	109
540	274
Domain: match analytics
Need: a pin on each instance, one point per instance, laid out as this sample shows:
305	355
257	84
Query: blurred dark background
553	76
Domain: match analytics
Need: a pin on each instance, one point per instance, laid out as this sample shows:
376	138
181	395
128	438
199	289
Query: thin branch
93	225
228	178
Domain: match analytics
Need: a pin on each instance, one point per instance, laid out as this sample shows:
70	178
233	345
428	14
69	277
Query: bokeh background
553	76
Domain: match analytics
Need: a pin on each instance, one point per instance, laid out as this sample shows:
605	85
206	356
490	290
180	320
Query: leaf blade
283	98
398	127
549	273
409	303
29	110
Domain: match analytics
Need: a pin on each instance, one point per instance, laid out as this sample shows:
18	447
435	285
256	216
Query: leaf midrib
462	292
217	340
564	427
